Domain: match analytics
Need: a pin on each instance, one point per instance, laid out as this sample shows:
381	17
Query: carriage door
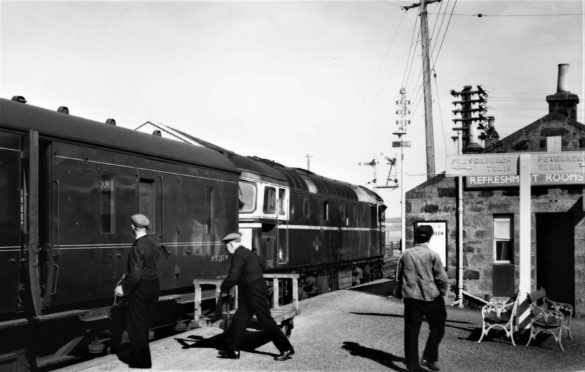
12	218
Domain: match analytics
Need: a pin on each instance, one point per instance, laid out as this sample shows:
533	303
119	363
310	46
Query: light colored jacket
421	274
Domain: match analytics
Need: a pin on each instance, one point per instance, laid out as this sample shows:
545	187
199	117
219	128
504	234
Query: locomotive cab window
107	204
269	200
503	242
247	198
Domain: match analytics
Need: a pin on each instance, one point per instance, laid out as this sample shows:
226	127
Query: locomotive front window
269	200
107	204
247	199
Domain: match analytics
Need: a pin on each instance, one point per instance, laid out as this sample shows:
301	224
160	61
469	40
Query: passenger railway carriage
67	188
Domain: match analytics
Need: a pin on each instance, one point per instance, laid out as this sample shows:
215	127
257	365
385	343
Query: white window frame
503	234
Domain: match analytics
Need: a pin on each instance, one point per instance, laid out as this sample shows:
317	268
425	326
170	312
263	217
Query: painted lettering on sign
482	164
558	162
536	180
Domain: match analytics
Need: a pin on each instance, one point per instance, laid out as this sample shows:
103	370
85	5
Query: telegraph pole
424	33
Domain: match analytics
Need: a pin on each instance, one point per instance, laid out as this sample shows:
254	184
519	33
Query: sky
303	83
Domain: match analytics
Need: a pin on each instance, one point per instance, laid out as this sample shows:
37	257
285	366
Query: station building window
247	197
503	239
107	204
269	200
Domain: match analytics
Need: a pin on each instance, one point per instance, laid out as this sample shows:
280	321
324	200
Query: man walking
141	287
422	281
246	273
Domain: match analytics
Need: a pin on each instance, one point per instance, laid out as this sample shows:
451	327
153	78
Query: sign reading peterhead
558	162
482	164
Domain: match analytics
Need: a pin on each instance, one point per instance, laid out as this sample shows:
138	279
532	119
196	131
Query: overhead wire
382	62
407	67
480	15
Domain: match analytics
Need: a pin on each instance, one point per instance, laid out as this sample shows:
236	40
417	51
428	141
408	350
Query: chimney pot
563	79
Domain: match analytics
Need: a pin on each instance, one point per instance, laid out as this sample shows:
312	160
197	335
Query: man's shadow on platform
252	340
386	359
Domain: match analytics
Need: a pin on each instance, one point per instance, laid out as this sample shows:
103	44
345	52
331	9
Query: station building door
555	256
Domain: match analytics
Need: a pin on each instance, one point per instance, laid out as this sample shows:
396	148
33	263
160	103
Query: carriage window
356	215
107	204
306	207
503	241
210	223
146	201
325	210
247	197
281	202
269	200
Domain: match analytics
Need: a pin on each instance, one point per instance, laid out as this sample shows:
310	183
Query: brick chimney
563	101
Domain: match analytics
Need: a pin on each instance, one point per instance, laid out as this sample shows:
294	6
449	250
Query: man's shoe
229	354
285	355
430	365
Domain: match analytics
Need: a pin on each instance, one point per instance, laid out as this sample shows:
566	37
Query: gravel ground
349	330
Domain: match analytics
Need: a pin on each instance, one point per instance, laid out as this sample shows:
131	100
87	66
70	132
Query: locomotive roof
259	169
302	179
55	124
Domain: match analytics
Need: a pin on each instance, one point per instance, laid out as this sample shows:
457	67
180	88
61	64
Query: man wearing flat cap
245	272
422	281
140	287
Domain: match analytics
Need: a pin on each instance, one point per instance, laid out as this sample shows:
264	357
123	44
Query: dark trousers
253	300
141	305
435	314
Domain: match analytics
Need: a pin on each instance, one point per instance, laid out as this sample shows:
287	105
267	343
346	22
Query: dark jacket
142	263
421	275
244	268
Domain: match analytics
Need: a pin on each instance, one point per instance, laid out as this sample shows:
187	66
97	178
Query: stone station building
491	213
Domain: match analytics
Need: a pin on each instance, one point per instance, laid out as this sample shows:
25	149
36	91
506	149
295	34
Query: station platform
358	329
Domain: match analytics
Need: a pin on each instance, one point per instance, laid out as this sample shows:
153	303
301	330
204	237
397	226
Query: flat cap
424	231
232	236
140	220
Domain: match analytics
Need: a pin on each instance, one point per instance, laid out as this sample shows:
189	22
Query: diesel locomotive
68	186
